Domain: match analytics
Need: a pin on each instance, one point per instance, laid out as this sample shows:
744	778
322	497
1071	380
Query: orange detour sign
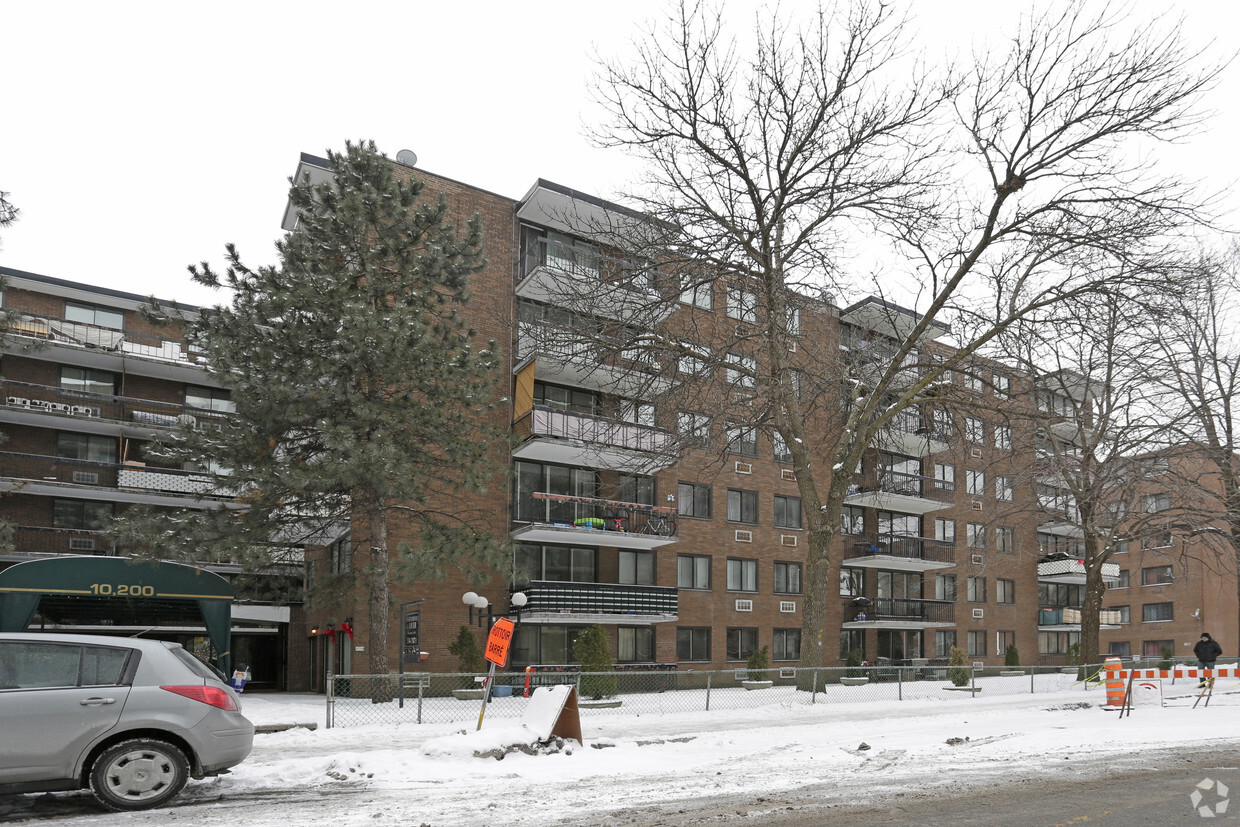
499	640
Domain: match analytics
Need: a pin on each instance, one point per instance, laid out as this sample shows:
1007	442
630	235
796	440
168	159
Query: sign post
498	642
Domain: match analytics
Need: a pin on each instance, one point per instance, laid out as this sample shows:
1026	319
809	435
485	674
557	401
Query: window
1003	437
852	582
976	592
943	425
742	643
782	453
1123	580
795	379
693	359
636	489
852	520
692	571
945	530
693	500
898	585
693	644
1152	612
743	440
976	380
86	447
559	563
742	575
786	644
93	314
82	380
636	568
38	665
634	644
1005	540
975	483
1003	640
694	428
341	554
1157	502
1156	576
1158	648
216	400
534	477
1125	613
852	640
794	321
742	371
742	506
944	642
81	514
787	511
1057	643
1003	386
697	294
742	305
1005	591
787	578
1005	489
945	587
1161	539
944	476
1120	649
977	644
975	535
566	399
974	430
639	413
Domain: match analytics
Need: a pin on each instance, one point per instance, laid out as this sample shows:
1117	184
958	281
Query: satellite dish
407	157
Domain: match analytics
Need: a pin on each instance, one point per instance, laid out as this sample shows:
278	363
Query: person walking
1207	651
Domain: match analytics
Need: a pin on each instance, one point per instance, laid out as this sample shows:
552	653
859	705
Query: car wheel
138	774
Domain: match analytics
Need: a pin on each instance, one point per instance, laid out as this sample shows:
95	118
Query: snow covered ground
633	767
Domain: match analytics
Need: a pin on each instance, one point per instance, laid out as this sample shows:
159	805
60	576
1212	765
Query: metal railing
449	698
599	598
108	407
592	513
170	481
543	420
914	548
110	339
586	262
29	539
925	611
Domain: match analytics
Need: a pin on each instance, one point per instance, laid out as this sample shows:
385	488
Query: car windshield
199	667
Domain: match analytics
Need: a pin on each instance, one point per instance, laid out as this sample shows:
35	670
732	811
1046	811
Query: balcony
84	412
910	435
43	541
563	357
589	521
50	476
905	493
1072	570
583	279
571	438
900	613
561	602
1068	619
902	554
107	348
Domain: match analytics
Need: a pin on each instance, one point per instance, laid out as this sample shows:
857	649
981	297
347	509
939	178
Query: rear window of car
201	669
37	665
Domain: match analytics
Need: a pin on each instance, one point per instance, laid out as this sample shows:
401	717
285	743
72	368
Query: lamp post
478	603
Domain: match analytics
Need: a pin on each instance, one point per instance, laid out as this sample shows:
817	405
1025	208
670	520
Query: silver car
131	719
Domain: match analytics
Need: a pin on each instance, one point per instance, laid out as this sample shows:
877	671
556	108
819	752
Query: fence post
1033	670
899	683
708	674
813	696
421	684
973	682
331	698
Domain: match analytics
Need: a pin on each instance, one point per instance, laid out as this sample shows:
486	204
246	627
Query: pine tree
592	651
959	675
359	392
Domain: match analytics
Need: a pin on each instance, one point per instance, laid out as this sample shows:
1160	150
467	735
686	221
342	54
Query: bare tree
986	193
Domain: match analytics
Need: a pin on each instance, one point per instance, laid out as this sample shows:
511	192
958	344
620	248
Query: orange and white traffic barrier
1115	682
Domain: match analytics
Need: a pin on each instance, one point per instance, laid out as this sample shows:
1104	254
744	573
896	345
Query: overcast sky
138	137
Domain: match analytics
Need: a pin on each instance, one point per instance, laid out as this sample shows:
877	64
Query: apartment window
974	430
742	643
693	571
1005	540
1157	502
216	400
1156	576
795	379
1122	583
1003	386
534	477
694	428
786	644
945	530
1161	539
1003	640
742	506
693	644
975	482
852	521
742	575
693	359
944	476
566	399
975	535
1120	649
88	447
782	453
638	413
1005	590
742	371
636	568
852	582
698	294
898	585
976	381
93	314
636	489
634	644
1158	648
1003	437
742	305
1057	643
693	500
794	321
787	578
945	587
787	511
1152	612
743	440
1005	488
81	514
943	425
976	590
944	642
977	644
83	380
852	640
1125	613
341	555
560	563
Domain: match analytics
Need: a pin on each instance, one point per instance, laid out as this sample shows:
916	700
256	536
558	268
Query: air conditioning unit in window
788	540
787	672
976	505
744	468
978	613
975	453
744	605
977	560
744	536
792	347
86	477
787	606
81	544
787	474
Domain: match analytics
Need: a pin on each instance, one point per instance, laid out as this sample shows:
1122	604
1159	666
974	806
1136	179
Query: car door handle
97	701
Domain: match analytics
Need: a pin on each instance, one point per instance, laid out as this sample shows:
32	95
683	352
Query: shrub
759	662
1074	653
468	654
959	676
1012	658
1166	653
853	661
594	655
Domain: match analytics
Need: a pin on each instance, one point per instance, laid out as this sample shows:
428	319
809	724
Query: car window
103	666
202	670
31	665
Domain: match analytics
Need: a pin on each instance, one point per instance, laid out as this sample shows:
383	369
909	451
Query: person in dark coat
1207	651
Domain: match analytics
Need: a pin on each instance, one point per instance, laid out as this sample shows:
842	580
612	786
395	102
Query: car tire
138	774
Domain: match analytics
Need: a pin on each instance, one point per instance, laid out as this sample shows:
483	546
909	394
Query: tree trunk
1094	590
378	603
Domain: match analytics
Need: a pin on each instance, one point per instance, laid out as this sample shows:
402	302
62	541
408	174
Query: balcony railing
101	338
592	513
924	611
42	540
913	548
599	598
586	263
108	407
42	468
555	422
910	485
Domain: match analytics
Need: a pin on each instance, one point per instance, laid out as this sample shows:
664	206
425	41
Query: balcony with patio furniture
901	554
590	521
898	613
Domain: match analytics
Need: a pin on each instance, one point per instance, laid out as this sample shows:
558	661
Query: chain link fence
437	698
